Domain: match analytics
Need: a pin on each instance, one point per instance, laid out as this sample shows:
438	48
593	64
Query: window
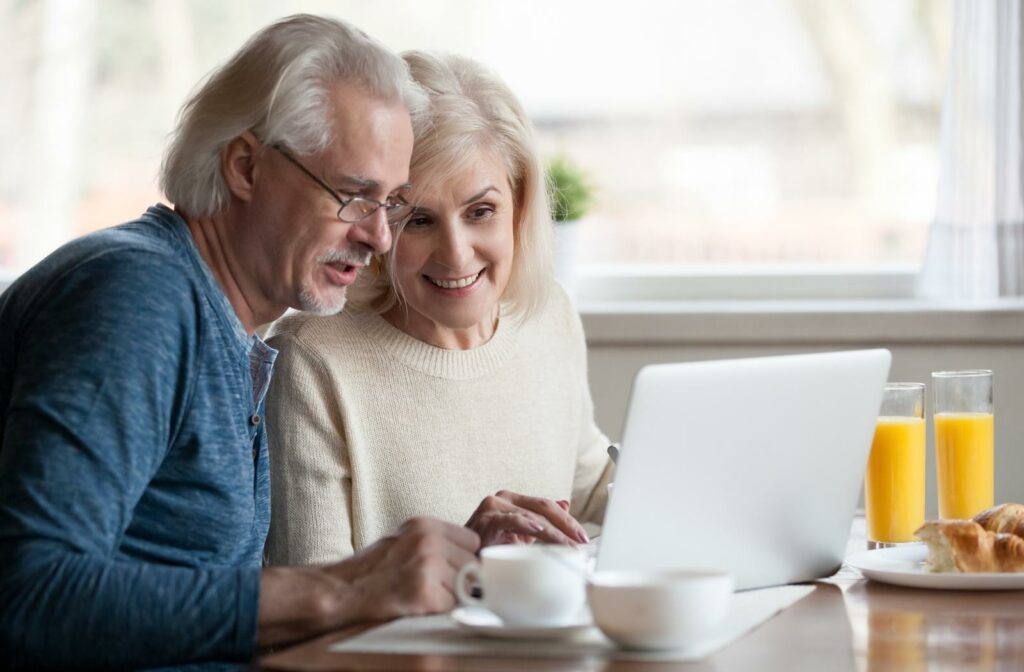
721	132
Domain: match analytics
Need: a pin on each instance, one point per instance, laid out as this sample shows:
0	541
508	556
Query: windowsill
791	305
802	321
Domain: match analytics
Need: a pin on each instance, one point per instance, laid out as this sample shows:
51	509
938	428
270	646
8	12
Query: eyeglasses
355	209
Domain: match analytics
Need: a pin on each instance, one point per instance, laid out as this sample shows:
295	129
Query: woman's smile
451	285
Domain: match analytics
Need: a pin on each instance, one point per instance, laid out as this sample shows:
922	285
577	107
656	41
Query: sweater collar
439	362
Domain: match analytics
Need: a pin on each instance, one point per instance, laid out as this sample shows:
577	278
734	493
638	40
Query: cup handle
470	570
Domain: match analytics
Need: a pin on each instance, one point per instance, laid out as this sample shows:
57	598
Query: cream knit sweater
369	427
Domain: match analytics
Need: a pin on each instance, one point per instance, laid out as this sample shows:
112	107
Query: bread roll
965	546
1008	518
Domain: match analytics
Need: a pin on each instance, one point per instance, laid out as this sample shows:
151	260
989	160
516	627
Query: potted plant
570	196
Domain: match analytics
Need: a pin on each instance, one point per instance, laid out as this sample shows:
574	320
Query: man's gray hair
276	86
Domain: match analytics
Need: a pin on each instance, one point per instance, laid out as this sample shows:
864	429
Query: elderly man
134	492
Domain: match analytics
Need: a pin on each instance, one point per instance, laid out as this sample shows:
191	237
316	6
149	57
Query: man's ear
238	164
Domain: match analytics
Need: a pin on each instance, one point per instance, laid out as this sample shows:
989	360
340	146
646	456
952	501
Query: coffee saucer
486	624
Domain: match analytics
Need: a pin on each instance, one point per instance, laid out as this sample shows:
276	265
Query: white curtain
976	243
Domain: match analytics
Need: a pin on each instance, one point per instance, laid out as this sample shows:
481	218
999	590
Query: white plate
904	566
484	622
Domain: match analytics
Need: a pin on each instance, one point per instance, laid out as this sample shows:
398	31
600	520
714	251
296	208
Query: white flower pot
566	234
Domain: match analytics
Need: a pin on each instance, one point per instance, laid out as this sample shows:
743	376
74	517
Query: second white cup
537	584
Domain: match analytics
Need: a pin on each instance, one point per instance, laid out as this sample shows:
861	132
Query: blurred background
714	132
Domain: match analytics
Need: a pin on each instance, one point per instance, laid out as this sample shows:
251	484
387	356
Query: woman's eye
417	222
481	212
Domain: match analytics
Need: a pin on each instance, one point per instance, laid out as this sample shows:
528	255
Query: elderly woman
456	378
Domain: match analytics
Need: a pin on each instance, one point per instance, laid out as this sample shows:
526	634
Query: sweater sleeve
593	467
310	520
98	373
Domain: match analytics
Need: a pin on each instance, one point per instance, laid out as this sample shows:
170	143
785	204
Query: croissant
1008	518
965	546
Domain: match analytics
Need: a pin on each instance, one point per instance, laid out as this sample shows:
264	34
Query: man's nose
373	231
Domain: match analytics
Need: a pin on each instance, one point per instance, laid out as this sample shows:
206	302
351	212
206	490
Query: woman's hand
510	518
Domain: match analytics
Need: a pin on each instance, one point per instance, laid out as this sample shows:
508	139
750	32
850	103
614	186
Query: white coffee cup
536	584
659	610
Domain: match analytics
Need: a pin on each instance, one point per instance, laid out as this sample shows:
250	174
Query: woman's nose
455	250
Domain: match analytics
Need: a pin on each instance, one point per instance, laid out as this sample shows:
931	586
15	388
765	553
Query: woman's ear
238	165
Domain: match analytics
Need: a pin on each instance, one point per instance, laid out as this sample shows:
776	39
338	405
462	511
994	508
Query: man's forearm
72	610
300	602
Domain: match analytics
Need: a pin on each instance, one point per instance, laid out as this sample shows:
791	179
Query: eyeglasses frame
343	203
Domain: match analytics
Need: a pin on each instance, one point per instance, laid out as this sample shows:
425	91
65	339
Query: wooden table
847	623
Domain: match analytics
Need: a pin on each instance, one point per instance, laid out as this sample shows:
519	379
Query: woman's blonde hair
469	110
277	86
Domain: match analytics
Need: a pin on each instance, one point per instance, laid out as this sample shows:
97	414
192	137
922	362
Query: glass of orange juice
894	482
964	442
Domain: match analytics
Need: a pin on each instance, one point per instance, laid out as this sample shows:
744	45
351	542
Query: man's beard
309	302
308	299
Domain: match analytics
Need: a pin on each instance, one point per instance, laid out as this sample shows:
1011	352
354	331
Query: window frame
755	282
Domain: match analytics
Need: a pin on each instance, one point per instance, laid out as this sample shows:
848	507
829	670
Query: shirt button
254	420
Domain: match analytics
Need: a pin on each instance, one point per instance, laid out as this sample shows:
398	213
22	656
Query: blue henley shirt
134	490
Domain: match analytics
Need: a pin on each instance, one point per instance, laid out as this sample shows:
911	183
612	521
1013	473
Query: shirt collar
179	228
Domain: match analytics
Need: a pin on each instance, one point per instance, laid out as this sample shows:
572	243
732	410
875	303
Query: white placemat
440	635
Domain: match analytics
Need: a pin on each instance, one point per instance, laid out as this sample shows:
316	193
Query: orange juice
894	482
964	452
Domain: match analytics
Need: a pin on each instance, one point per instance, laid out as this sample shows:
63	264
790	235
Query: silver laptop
748	465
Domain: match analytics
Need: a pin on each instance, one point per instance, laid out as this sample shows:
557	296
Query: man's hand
510	518
410	573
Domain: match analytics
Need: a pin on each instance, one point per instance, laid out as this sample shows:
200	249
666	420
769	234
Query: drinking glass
894	482
964	441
